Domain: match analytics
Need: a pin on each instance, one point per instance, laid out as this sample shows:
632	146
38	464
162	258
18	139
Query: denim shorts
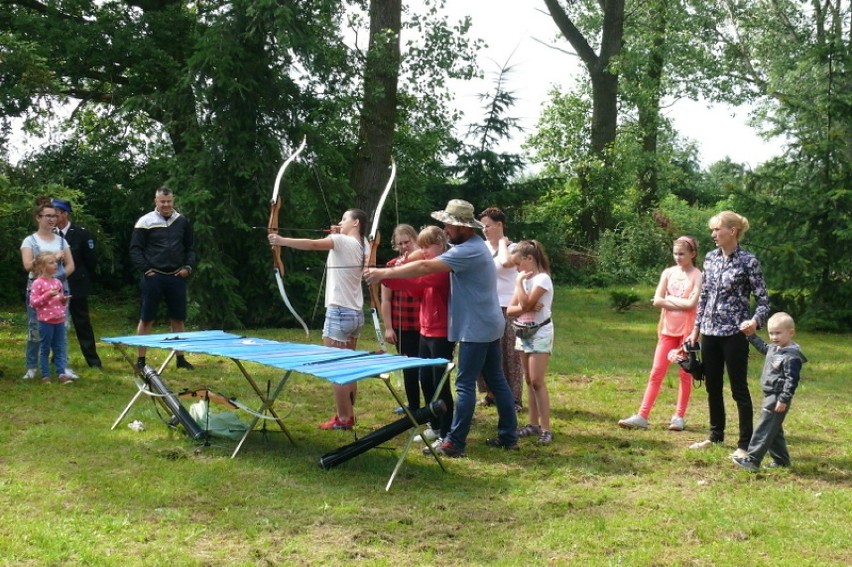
541	342
342	324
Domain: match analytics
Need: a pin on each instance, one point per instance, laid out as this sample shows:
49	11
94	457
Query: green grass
74	492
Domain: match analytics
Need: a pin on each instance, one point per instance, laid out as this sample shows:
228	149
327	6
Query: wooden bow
272	228
375	239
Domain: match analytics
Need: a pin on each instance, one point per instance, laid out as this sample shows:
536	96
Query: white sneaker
434	444
739	454
634	422
428	435
677	423
71	374
30	375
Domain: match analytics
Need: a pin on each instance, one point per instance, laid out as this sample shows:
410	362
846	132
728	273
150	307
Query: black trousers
79	309
430	376
731	354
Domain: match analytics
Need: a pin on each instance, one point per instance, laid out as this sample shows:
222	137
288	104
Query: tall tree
604	85
377	122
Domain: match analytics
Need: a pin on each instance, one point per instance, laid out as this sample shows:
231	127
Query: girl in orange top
677	295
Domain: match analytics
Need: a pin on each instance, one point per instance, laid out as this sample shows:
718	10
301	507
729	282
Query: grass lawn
74	492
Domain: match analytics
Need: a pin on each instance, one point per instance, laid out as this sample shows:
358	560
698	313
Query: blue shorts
170	287
541	342
342	324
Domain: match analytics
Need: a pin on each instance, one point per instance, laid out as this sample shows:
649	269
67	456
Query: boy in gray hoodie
779	380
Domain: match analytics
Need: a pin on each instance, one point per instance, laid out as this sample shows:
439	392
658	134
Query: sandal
529	430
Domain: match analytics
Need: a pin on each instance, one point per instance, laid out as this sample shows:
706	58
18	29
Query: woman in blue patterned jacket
731	276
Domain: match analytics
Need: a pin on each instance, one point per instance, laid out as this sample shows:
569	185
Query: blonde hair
536	250
783	320
430	235
400	230
730	219
40	261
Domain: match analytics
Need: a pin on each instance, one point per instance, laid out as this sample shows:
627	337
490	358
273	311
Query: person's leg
32	349
512	368
174	292
769	425
45	334
492	371
778	449
151	293
713	357
736	362
79	309
471	359
341	330
444	349
538	387
59	346
658	371
683	393
408	344
533	417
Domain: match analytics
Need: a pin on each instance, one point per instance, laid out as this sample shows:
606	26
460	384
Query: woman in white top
42	240
344	299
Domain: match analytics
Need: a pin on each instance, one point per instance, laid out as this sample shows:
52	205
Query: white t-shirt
38	245
543	281
505	276
345	268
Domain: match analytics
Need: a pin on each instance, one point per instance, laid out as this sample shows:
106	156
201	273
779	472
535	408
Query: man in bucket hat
476	323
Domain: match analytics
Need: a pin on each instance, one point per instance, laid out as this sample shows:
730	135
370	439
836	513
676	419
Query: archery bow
375	240
272	228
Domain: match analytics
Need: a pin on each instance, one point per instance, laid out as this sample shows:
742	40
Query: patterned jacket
725	295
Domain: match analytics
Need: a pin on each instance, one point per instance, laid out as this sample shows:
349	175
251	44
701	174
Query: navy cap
62	204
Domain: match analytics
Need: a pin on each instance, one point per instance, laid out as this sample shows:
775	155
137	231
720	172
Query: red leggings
658	372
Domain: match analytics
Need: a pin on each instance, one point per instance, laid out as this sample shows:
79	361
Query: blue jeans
52	337
483	359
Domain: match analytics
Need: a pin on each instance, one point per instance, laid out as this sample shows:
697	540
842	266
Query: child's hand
748	327
66	298
780	407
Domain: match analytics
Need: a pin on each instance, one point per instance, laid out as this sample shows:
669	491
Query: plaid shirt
728	283
405	307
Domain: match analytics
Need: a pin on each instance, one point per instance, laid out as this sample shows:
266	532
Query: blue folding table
339	366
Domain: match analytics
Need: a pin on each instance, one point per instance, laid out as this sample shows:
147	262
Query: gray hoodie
781	370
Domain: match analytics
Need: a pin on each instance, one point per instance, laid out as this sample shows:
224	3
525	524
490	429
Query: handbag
692	363
525	331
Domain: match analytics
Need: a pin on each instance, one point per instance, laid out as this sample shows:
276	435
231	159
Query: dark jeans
769	434
731	354
430	377
484	359
78	307
408	344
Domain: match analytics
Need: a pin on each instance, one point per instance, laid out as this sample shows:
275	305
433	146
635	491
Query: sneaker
706	444
775	465
70	374
337	423
447	449
30	375
739	454
497	443
65	379
428	435
45	380
529	430
746	464
545	438
434	444
634	422
184	363
677	423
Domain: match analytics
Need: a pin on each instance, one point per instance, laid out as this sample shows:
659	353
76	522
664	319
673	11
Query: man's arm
416	269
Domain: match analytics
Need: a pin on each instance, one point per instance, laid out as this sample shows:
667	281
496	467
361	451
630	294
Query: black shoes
184	363
501	445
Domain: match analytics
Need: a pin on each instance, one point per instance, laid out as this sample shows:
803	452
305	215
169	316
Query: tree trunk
649	113
370	168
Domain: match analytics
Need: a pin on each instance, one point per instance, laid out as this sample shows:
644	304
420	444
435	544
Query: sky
522	31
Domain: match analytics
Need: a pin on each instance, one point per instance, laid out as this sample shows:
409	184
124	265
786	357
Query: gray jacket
781	370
